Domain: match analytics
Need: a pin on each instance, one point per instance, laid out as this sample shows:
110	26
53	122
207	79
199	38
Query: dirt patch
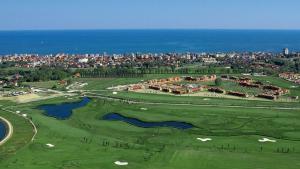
30	97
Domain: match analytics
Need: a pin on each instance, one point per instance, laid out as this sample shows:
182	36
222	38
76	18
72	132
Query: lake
140	123
63	111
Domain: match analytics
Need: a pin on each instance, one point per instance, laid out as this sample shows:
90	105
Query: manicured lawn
103	84
48	84
87	141
22	134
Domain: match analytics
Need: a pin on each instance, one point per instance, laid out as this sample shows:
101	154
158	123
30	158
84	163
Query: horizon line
151	29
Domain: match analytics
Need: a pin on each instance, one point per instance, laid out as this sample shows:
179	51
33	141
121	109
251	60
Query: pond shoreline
63	111
144	124
9	130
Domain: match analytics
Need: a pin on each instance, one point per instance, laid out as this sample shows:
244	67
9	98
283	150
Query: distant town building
286	51
209	60
84	60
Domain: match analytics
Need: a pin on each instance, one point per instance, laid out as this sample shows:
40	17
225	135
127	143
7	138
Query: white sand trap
121	163
266	140
115	92
206	99
50	145
204	139
24	115
144	108
294	86
18	112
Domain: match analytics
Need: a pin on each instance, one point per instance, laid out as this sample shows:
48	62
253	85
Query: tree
69	81
54	87
218	82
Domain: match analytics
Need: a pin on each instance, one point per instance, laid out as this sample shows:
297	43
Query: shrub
218	82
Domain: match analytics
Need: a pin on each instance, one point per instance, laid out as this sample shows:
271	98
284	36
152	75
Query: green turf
22	134
102	84
87	141
48	84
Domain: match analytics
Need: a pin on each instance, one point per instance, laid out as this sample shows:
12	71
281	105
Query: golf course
99	128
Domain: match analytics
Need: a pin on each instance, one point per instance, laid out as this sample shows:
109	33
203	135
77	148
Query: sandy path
10	130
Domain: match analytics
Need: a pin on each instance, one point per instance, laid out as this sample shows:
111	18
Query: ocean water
127	41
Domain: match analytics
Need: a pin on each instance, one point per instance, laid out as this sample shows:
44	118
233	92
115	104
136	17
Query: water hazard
63	111
140	123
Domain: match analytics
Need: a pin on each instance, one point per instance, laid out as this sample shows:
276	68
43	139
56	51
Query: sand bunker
144	108
24	115
121	163
266	140
50	145
115	92
204	139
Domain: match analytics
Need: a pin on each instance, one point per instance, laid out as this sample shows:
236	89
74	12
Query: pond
140	123
2	130
63	111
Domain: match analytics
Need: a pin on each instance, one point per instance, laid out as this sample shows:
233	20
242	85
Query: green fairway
22	134
87	141
48	84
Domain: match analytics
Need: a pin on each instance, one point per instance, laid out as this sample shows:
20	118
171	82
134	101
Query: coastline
9	130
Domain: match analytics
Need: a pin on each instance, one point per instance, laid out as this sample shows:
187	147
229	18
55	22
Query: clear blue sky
149	14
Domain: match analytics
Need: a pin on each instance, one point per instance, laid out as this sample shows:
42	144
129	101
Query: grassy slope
102	84
22	135
79	140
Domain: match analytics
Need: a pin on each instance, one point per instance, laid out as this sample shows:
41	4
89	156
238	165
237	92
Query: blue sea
127	41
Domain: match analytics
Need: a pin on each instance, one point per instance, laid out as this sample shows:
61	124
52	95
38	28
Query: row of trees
45	75
287	65
40	74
